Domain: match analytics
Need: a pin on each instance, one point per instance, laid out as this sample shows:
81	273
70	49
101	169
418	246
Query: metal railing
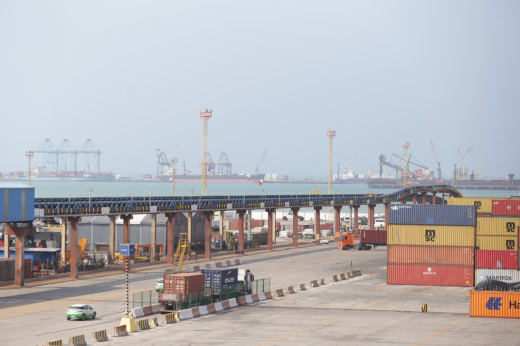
145	298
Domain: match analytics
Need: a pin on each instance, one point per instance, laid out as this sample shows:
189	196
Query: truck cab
346	241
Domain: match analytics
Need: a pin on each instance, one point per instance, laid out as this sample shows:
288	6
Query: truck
346	242
369	238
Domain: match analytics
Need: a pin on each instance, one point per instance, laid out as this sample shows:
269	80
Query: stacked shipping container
431	245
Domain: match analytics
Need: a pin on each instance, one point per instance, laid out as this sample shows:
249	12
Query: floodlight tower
174	160
205	114
330	134
406	145
29	155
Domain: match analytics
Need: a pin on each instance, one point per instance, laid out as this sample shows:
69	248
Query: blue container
440	215
16	203
219	278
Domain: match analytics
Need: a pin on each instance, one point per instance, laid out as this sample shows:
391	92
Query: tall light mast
174	160
29	155
205	114
330	134
406	145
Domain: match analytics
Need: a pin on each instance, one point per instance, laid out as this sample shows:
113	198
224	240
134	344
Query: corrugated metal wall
431	235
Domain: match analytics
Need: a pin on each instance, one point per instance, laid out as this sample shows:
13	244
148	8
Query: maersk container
497	242
441	215
440	255
498	226
496	259
16	203
483	205
506	207
494	304
219	278
505	275
431	235
430	275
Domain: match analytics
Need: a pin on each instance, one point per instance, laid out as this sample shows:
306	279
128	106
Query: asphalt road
362	310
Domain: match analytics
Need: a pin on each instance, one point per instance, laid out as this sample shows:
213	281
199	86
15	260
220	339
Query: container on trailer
496	259
442	215
219	278
16	202
431	275
181	285
500	242
498	226
440	255
506	207
504	275
482	204
494	304
375	237
431	235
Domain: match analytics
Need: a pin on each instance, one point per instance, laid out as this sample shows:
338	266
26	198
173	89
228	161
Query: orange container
442	255
494	304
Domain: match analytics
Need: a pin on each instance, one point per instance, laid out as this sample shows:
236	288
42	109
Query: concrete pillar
207	236
63	249
337	221
273	217
169	239
190	218
356	216
153	243
387	210
403	200
317	224
371	216
351	220
7	251
295	227
73	241
112	239
249	225
414	198
424	198
126	234
221	229
443	197
269	229
434	196
241	230
19	270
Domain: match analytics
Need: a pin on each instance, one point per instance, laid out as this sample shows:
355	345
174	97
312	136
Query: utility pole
406	145
29	155
330	134
205	114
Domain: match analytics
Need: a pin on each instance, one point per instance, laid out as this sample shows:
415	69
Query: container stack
497	243
431	245
482	204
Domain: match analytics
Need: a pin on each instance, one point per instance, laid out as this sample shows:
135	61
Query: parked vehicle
159	285
322	241
80	311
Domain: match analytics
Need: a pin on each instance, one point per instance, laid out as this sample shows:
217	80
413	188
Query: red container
255	223
483	215
183	284
430	255
505	207
496	259
233	225
326	226
374	237
431	275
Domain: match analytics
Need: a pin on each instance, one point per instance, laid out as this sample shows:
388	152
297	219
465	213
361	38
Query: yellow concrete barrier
322	282
314	283
289	289
55	343
358	272
170	318
143	324
301	287
154	322
279	292
99	336
350	275
334	278
120	331
78	340
342	276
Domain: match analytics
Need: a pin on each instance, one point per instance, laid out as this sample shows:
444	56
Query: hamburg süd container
509	207
440	255
497	242
505	275
483	205
374	237
495	259
498	226
16	203
494	304
180	285
431	235
431	275
219	278
441	215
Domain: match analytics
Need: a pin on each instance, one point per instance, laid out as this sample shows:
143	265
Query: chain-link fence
145	298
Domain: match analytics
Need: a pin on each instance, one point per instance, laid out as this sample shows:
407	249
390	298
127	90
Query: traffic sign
127	250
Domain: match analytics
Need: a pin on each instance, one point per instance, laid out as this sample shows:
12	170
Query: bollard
279	292
424	308
120	331
77	340
301	287
289	290
100	336
314	283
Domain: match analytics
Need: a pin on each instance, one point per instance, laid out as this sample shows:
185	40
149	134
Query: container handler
346	242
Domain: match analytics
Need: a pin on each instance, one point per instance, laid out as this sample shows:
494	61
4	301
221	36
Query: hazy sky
133	76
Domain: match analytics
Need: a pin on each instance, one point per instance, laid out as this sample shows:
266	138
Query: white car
322	241
81	311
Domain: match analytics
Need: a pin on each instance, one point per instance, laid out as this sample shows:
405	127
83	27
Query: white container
308	231
505	275
325	233
285	234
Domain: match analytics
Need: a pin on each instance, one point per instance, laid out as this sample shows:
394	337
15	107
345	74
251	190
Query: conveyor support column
74	246
112	239
207	238
241	231
295	227
169	238
153	244
317	224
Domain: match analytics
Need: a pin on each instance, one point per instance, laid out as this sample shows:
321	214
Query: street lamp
70	194
89	193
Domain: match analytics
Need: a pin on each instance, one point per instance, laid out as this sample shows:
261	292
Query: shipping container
505	275
374	237
497	242
181	285
441	215
482	204
497	226
483	216
506	208
431	235
494	259
17	200
440	255
431	275
494	304
219	278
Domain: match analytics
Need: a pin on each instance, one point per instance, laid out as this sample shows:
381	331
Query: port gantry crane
383	162
162	163
342	167
462	171
259	164
224	166
437	163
